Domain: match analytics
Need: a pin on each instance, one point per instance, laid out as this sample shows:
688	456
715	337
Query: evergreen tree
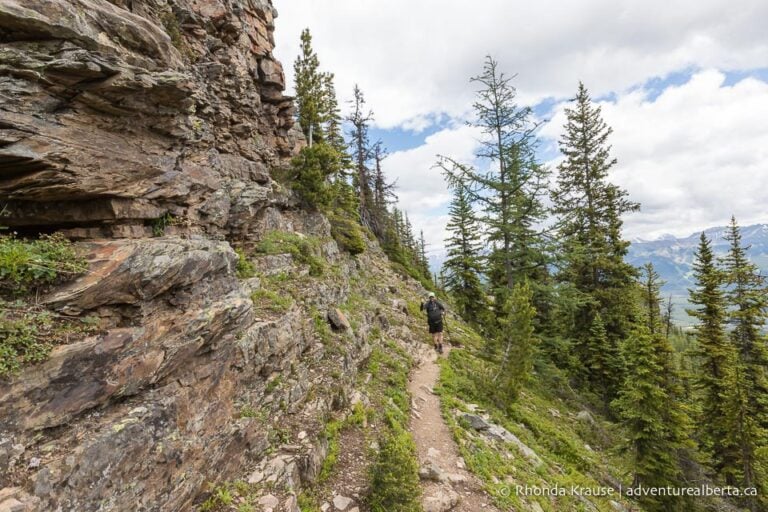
311	90
516	343
716	354
651	289
656	423
650	404
592	248
510	192
748	409
361	154
463	266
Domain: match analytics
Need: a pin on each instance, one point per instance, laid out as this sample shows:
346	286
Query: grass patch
28	334
224	497
159	224
268	301
28	264
304	249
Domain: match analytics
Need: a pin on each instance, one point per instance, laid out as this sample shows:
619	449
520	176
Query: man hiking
435	312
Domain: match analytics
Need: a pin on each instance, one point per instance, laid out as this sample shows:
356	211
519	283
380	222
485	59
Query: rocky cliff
148	131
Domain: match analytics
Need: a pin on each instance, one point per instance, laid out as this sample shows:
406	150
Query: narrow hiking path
446	483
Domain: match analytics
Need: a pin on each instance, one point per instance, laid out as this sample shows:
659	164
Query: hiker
435	312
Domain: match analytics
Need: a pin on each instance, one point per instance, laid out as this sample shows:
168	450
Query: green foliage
657	423
27	264
717	357
312	169
270	301
332	434
245	268
394	477
746	408
592	249
512	349
304	249
462	267
159	224
28	334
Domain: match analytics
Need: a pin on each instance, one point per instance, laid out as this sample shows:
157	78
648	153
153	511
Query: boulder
475	421
338	320
442	501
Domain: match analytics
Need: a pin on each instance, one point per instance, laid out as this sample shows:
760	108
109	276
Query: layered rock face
114	114
147	131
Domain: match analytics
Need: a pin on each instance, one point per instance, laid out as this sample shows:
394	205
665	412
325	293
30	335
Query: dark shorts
435	327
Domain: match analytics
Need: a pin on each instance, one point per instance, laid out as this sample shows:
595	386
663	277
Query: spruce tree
748	408
311	90
714	378
515	343
592	249
650	405
463	265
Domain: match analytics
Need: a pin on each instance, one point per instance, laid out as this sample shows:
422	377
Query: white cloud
421	189
413	59
693	156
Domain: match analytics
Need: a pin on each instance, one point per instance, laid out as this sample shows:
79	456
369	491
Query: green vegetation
537	418
245	268
230	494
28	264
304	249
394	474
28	334
395	483
159	224
269	301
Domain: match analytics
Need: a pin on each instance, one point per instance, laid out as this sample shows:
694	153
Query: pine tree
463	266
311	90
592	248
748	409
361	154
510	192
717	356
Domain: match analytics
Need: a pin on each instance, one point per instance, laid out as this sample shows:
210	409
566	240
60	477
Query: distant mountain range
673	257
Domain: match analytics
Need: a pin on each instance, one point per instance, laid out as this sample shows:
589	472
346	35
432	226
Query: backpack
434	312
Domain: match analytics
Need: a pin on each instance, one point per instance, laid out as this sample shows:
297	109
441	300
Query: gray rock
475	421
269	501
442	501
431	471
341	502
585	417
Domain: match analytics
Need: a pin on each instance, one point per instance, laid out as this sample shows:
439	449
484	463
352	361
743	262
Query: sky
683	84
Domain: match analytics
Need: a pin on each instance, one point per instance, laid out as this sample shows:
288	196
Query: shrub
26	264
347	233
303	249
245	268
27	335
311	169
394	477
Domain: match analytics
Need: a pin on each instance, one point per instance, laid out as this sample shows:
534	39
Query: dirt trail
436	446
